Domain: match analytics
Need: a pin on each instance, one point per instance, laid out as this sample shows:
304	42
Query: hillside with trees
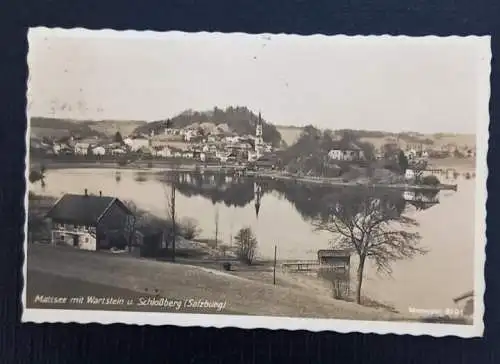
48	127
309	154
54	127
239	120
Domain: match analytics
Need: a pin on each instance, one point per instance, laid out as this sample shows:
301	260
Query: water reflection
283	209
310	201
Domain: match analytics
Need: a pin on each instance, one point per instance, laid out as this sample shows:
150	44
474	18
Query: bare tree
190	229
418	167
246	245
371	223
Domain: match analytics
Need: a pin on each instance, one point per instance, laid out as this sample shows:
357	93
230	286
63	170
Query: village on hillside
212	142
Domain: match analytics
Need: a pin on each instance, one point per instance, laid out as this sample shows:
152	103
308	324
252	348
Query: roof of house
82	209
334	253
464	296
340	145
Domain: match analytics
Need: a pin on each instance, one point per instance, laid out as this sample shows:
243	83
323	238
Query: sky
426	84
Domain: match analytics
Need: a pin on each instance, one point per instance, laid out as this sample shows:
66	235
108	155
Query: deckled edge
287	323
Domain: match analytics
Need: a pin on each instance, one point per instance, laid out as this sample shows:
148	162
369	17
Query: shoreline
167	166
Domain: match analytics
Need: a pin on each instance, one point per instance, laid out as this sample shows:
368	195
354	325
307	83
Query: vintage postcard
257	181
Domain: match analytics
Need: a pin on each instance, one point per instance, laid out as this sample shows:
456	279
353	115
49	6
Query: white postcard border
291	323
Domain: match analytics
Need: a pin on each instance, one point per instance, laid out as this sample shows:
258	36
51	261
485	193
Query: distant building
137	143
347	152
98	150
81	148
160	151
465	304
56	148
91	222
190	134
151	242
118	151
266	162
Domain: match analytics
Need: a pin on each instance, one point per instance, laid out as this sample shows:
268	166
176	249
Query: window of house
86	239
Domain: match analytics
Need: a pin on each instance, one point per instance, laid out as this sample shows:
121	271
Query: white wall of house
81	148
346	155
86	241
99	151
118	151
164	152
56	148
336	154
409	174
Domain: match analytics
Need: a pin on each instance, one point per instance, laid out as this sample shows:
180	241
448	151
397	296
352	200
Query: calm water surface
430	281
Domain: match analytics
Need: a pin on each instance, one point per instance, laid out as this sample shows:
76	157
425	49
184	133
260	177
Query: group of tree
309	154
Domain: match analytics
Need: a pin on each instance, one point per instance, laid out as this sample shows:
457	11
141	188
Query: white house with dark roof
91	222
346	152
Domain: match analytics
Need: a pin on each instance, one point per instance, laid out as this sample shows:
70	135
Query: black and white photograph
257	180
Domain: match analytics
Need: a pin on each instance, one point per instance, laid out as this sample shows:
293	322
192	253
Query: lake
430	281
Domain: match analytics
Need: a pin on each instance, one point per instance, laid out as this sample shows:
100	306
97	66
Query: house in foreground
91	222
465	303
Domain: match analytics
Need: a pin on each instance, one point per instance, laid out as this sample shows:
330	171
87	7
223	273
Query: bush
246	245
430	181
189	228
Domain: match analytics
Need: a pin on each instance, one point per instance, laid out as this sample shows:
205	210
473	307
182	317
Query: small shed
150	242
334	266
466	303
338	260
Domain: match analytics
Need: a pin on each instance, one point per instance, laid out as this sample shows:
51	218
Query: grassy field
439	140
47	284
110	127
51	127
181	281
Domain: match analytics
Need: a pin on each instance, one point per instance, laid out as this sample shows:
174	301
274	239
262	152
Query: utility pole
172	213
231	234
274	266
216	226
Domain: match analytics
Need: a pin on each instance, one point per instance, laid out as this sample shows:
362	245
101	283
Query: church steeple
258	196
259	141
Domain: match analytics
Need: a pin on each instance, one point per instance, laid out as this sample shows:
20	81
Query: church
260	148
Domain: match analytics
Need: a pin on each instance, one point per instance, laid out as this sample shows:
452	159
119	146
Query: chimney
100	193
86	192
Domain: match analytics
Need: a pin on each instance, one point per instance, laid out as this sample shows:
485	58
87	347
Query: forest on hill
47	127
239	120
